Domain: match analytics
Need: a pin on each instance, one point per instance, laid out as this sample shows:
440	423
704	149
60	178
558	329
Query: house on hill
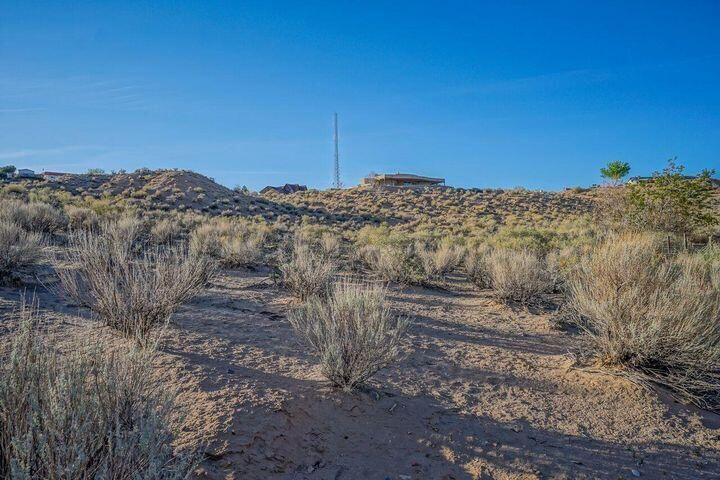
401	180
25	173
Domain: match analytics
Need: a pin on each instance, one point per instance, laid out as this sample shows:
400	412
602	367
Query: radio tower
336	176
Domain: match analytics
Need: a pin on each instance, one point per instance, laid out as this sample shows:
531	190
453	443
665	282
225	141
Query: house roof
407	177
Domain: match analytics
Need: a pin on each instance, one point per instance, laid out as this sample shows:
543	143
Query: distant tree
672	202
614	171
7	170
95	171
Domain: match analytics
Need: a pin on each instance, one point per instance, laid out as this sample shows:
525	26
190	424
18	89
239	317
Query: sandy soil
483	392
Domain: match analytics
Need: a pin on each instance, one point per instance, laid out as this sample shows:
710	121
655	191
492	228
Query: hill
452	210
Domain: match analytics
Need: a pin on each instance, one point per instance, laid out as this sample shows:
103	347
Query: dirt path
484	392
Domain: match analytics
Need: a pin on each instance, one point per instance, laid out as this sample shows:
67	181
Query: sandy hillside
484	392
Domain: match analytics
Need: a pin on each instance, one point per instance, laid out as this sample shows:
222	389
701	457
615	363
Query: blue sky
485	94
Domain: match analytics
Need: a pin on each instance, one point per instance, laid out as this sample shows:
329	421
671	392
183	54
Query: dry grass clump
352	331
166	231
656	317
35	217
393	263
19	249
81	218
306	270
83	414
133	293
476	266
233	243
438	262
520	276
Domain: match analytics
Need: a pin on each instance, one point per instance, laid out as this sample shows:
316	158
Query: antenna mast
336	179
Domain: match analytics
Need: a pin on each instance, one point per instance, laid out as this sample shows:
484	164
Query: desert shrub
34	217
439	261
83	414
476	266
18	249
330	245
165	231
81	218
561	264
131	292
393	263
670	201
517	275
306	270
352	331
541	240
233	243
654	316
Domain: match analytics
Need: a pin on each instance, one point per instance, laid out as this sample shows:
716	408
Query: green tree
615	170
95	171
673	202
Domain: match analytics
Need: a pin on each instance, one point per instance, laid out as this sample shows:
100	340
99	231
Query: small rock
405	477
635	473
230	370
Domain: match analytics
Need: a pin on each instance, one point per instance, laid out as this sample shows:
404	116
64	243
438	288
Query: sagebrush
132	292
353	331
85	413
658	317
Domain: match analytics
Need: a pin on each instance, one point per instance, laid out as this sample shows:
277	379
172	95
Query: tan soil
484	392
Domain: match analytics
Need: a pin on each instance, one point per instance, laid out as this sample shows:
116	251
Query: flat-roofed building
401	180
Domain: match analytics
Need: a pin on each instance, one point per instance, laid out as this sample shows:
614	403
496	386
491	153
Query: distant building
401	180
53	176
285	189
25	173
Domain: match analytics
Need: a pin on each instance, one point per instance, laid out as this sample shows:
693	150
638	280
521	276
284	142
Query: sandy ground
483	392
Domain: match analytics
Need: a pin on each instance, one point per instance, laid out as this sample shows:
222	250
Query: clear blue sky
486	94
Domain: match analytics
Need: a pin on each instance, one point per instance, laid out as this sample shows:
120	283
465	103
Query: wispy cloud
75	91
33	153
20	110
564	79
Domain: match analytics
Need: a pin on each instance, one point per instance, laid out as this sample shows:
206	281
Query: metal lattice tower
336	174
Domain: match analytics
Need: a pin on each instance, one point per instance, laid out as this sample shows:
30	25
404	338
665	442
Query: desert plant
34	217
615	171
671	202
81	218
476	266
18	249
133	293
165	231
85	413
306	271
234	244
352	331
393	263
655	317
517	275
438	262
